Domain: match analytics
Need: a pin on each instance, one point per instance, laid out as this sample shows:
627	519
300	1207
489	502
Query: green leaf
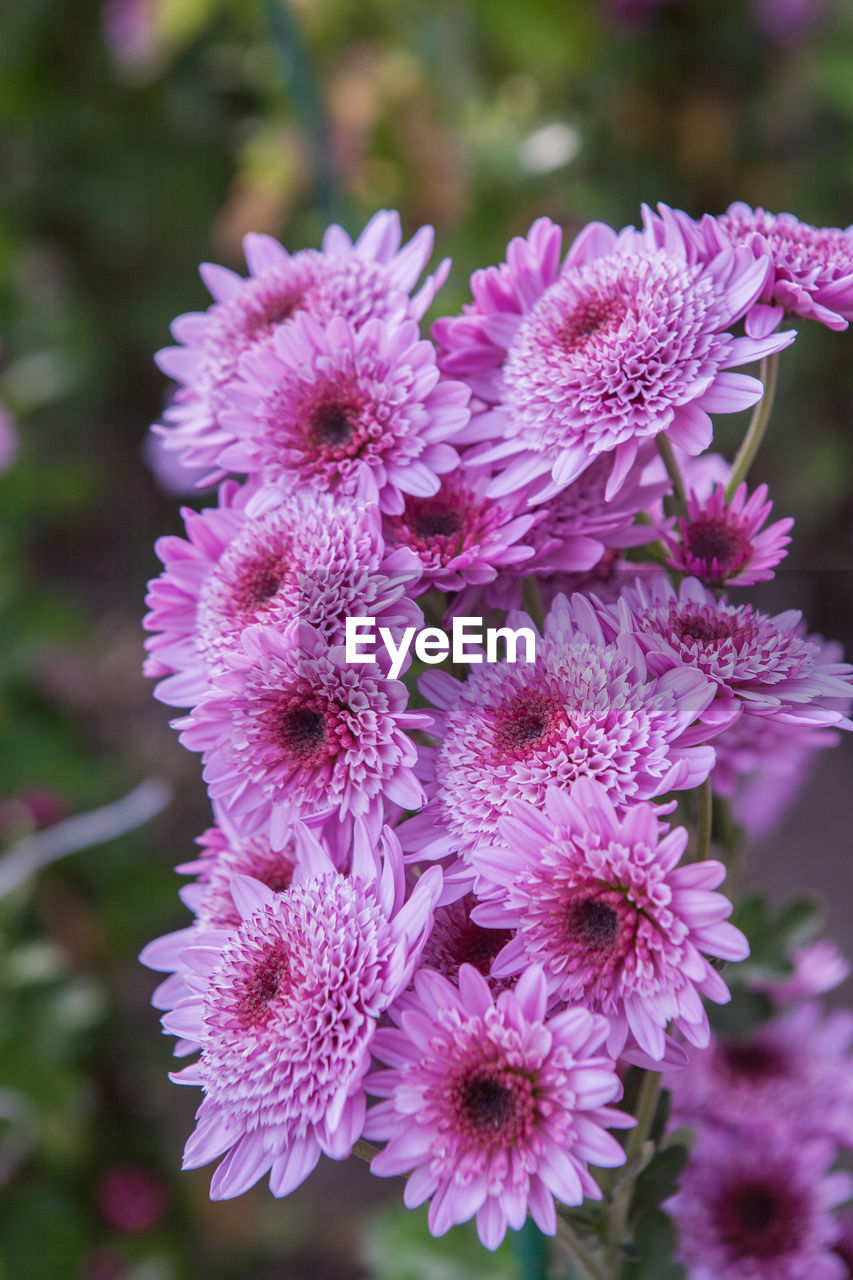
659	1180
652	1250
397	1246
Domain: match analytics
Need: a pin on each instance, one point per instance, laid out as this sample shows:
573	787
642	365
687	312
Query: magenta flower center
593	923
525	722
710	539
756	1218
493	1105
333	427
701	626
262	984
598	930
259	581
594	314
303	728
268	311
751	1062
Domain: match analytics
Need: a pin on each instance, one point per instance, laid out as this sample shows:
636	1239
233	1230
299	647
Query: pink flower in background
576	528
289	730
811	267
759	1210
284	1010
357	412
287	557
494	1110
370	279
797	1068
628	342
763	765
765	664
457	939
585	708
723	542
460	536
602	904
131	1199
819	966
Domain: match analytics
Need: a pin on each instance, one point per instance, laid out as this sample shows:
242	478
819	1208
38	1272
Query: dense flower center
302	729
524	722
759	1219
751	1062
437	522
593	923
493	1105
701	626
707	539
332	426
272	309
262	983
593	314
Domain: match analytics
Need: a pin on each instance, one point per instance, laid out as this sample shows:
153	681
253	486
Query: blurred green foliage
124	163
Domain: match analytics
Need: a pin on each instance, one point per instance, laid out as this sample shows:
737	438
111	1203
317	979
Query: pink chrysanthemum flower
585	708
723	542
460	536
763	765
811	267
765	664
797	1068
602	904
356	412
576	529
289	730
495	1110
627	341
818	967
284	1010
371	279
760	1210
457	939
268	558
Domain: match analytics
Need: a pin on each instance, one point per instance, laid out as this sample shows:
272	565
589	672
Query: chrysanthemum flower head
767	664
460	536
370	279
272	558
495	1110
811	267
723	542
284	1010
357	412
626	341
585	708
602	904
797	1068
759	1210
289	730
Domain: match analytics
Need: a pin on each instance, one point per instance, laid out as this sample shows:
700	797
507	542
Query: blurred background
139	138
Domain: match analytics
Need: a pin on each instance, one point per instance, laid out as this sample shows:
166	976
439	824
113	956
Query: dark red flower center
524	722
257	581
273	310
437	522
263	983
757	1217
493	1106
589	317
751	1062
701	626
708	539
276	875
302	729
593	923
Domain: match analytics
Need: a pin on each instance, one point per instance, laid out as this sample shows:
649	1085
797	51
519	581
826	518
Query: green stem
672	470
532	602
365	1150
304	93
531	1251
647	1104
757	425
705	801
583	1259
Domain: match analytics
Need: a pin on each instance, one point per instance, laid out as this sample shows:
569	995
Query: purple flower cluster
482	911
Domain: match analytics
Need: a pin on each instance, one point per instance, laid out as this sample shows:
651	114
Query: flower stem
584	1260
705	800
672	470
531	1251
620	1205
757	424
364	1150
532	601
